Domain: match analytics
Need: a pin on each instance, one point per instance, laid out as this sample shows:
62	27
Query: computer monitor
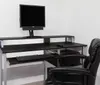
32	17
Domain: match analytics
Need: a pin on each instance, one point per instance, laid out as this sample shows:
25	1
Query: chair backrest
95	62
94	43
91	52
94	51
94	66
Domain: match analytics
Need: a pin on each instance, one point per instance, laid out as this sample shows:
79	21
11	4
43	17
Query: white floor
26	73
98	80
98	76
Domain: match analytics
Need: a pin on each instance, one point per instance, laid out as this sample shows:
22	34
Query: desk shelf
25	37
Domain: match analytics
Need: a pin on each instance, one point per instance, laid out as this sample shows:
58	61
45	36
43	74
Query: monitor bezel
31	27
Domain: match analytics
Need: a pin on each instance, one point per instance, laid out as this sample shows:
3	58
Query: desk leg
44	72
0	67
82	59
58	63
5	69
83	52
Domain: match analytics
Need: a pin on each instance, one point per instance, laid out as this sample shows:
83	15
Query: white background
80	18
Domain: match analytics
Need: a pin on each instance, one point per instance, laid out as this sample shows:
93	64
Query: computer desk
33	47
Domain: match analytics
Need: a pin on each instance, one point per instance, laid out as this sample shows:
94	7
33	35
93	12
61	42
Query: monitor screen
32	15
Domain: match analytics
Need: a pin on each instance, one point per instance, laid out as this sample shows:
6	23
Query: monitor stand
31	35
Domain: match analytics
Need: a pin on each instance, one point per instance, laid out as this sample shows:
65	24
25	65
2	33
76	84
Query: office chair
76	75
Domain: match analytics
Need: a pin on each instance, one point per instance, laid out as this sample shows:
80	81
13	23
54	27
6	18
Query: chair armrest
72	70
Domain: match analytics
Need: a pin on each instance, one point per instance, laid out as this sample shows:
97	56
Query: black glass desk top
41	46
